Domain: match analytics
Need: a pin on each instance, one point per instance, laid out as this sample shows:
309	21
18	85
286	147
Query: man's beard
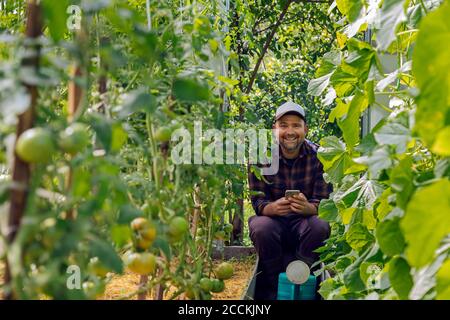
291	147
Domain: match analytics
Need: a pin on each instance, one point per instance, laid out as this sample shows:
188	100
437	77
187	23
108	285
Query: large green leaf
426	222
330	149
190	90
138	100
431	67
425	278
328	210
352	274
127	213
380	159
391	15
106	254
343	82
318	85
390	237
362	194
443	282
401	179
56	17
358	236
393	133
350	8
339	111
350	123
442	144
400	277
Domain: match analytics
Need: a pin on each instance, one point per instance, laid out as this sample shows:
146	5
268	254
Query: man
288	229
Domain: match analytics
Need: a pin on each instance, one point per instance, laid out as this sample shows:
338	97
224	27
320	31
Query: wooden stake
75	93
21	171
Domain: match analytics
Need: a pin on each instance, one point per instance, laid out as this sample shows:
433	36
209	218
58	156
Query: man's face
292	131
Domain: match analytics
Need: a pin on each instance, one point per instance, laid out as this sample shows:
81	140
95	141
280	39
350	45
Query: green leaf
334	158
362	194
352	278
442	144
103	131
118	137
426	222
189	90
425	278
443	282
330	149
350	123
358	236
400	277
106	254
390	238
380	159
431	67
328	210
352	274
401	181
391	15
339	111
343	82
56	17
120	234
317	86
164	246
127	213
350	8
393	134
327	287
138	100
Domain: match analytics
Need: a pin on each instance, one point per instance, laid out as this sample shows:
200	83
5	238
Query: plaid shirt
305	174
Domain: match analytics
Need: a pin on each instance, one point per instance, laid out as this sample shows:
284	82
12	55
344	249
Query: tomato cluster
38	145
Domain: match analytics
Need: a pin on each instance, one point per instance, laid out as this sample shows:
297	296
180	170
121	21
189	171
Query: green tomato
206	284
35	145
74	138
202	172
141	263
178	227
224	271
220	235
217	285
163	134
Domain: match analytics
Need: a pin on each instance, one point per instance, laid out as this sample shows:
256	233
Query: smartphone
290	193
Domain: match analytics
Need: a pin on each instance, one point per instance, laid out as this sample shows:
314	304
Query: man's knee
263	228
320	229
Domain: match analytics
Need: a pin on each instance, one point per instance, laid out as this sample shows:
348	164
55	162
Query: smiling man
286	229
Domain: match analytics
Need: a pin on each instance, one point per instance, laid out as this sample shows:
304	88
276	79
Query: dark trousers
280	240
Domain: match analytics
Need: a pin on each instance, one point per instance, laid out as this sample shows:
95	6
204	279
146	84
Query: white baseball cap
290	107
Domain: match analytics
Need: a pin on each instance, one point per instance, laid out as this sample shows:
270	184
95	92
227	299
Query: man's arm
260	200
321	190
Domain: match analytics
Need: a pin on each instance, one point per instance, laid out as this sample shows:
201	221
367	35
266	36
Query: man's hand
280	207
299	204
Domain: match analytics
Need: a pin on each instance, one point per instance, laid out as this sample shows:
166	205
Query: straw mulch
122	285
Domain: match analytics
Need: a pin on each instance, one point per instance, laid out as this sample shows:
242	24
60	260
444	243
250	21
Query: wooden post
75	93
21	171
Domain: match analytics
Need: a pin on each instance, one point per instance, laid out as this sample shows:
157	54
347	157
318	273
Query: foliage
389	209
